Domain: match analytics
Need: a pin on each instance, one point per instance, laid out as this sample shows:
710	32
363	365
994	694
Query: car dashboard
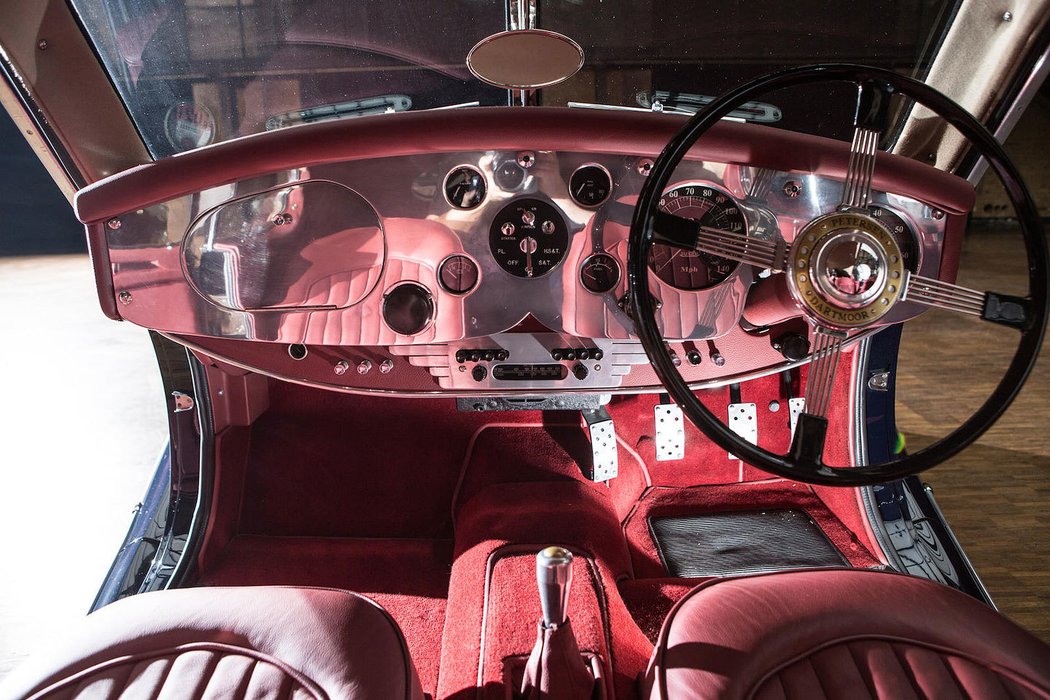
482	251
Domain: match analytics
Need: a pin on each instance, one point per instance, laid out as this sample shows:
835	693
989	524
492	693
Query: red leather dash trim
497	128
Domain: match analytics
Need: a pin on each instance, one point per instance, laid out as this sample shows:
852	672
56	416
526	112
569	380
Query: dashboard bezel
367	146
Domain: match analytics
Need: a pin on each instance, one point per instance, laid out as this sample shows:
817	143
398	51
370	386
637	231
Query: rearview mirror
525	59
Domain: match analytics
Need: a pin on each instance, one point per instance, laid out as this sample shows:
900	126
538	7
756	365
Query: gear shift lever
556	669
554	576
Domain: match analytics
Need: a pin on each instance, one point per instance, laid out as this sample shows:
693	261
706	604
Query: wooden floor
996	495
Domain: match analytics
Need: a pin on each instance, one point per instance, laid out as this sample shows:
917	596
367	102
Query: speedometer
691	270
902	232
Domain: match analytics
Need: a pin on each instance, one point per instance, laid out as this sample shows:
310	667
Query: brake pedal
602	433
743	420
670	432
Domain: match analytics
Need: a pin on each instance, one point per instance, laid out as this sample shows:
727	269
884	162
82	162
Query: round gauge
458	274
509	175
590	185
901	232
689	269
408	308
465	187
528	238
600	273
189	125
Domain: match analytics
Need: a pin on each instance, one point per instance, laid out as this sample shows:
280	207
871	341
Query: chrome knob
850	269
554	576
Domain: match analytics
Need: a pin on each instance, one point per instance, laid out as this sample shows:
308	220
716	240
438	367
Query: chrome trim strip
15	95
860	457
1013	115
524	392
928	490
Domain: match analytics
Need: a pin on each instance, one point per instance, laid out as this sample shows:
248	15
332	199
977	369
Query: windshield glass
194	72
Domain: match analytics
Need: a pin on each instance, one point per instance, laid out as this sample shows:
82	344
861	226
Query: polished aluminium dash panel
156	252
315	245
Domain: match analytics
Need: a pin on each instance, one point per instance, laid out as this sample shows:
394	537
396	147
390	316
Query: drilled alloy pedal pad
670	432
795	408
604	460
743	420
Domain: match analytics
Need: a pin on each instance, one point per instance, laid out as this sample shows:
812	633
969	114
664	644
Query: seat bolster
227	642
835	632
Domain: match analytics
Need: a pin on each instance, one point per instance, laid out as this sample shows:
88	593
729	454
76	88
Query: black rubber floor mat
731	543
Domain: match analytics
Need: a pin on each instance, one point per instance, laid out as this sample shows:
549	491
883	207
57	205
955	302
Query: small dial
458	274
691	270
509	175
465	187
600	273
408	308
528	238
590	185
901	232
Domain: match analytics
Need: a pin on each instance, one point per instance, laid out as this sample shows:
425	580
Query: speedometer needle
669	260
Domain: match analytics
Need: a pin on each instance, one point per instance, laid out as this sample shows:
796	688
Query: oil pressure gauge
590	185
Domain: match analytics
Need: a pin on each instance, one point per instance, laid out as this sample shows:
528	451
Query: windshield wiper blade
382	104
689	103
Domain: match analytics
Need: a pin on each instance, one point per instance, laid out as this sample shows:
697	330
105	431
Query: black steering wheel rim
641	238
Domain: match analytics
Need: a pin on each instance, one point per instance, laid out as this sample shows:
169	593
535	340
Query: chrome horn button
845	270
850	268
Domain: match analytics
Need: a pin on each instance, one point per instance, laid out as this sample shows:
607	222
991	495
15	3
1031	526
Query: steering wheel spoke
807	442
870	121
687	234
824	361
1003	309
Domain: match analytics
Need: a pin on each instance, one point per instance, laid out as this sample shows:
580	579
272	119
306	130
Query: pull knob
554	576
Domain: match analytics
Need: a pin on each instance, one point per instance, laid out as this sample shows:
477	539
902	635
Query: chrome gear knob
553	577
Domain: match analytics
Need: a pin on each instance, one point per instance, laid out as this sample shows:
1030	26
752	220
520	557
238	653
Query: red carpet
407	577
436	514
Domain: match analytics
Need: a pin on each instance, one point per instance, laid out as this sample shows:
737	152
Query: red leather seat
257	642
841	634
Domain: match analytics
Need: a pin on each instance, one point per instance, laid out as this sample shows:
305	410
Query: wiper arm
383	104
621	108
689	103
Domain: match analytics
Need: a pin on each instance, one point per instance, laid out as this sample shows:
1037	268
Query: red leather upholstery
230	643
844	633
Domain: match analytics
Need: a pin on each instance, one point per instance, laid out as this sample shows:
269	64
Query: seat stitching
963	690
122	685
951	674
863	671
816	674
83	674
906	669
163	679
246	679
1015	676
780	683
209	675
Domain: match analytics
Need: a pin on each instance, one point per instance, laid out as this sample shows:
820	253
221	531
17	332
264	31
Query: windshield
194	72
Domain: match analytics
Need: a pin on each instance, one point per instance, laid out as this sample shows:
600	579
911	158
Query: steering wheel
845	272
